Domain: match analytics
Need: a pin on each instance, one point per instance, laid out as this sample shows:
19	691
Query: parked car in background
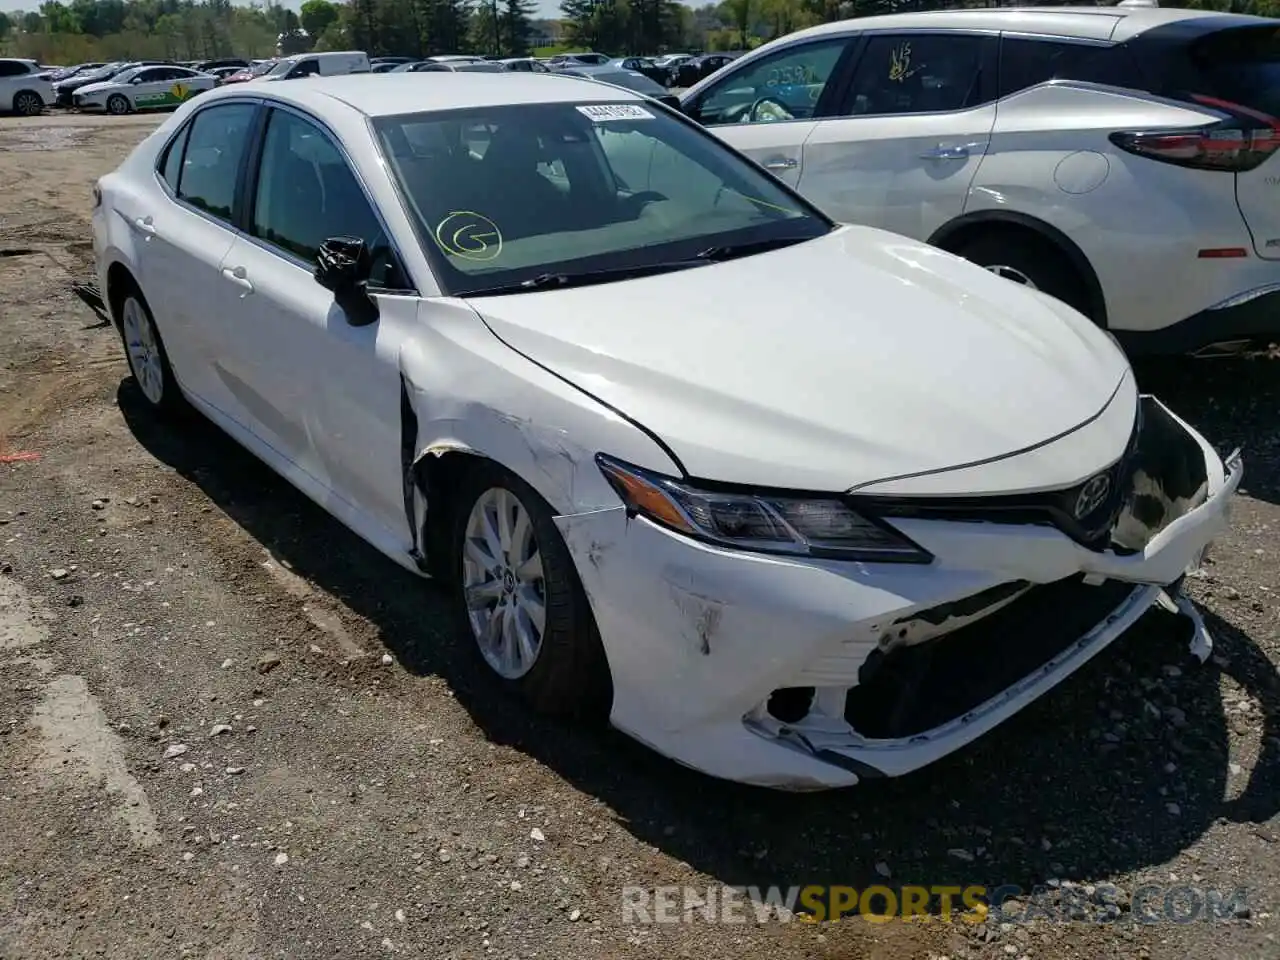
66	73
377	61
382	67
256	70
316	64
144	88
24	89
453	65
563	60
1118	158
698	68
627	79
641	65
220	74
845	554
204	66
64	91
525	65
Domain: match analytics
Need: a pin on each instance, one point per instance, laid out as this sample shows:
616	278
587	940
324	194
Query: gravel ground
230	730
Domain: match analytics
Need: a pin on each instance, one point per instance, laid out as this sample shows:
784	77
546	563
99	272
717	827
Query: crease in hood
830	364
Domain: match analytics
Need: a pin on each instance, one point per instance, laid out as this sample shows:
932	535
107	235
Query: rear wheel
145	352
27	103
1031	261
518	596
118	104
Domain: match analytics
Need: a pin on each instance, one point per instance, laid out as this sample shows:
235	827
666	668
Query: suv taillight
1218	146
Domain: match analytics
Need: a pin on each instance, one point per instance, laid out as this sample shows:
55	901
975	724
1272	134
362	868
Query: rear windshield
1240	66
506	193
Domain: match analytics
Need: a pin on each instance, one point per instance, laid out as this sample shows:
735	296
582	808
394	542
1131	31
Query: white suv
24	88
1117	158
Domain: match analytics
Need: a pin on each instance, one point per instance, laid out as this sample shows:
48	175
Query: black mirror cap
344	266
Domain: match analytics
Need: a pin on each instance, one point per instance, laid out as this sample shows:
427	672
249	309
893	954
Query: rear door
911	130
1237	70
768	107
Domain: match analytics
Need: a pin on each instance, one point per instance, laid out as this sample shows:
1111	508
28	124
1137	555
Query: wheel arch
120	280
954	235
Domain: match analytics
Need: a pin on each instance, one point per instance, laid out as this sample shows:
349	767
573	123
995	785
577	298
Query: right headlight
817	525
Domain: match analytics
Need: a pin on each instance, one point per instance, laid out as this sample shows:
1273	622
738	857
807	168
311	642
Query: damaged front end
815	673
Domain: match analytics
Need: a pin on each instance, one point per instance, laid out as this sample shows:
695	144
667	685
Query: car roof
387	94
1085	23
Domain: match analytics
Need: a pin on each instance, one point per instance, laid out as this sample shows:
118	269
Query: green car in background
144	88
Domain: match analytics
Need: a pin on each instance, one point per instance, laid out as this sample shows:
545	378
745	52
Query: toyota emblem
1092	495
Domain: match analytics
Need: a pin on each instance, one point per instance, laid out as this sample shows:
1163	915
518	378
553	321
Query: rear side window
1026	62
1240	66
171	166
211	161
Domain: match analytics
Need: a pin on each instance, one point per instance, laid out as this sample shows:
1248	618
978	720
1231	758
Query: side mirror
343	265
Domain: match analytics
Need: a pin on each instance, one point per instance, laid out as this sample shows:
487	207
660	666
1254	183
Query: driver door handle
781	163
239	276
146	225
942	151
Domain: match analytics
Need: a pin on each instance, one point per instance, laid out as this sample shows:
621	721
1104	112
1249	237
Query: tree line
92	30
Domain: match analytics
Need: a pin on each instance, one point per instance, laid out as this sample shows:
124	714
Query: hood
852	358
98	87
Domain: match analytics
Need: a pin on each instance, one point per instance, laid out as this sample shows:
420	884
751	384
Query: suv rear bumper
1252	317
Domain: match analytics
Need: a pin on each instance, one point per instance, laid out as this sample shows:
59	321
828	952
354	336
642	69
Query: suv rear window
1239	65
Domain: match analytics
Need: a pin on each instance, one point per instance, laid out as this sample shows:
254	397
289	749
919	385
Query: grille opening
913	689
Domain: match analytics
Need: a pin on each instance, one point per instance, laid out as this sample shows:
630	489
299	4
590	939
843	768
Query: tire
567	673
27	103
1028	259
146	355
118	104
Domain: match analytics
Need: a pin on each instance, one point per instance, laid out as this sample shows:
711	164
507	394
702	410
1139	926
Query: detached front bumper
752	667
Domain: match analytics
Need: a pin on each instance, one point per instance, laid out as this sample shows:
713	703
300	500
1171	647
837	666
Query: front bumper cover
698	637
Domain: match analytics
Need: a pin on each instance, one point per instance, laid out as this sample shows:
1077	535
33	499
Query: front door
326	393
766	108
911	130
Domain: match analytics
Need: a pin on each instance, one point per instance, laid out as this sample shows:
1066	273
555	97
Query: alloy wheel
27	104
143	350
1012	273
503	584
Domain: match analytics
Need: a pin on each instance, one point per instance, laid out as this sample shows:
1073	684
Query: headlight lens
817	526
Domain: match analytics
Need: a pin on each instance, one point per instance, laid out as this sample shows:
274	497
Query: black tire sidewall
1036	259
570	676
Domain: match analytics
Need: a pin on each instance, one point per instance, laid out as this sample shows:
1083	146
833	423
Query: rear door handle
943	152
240	277
781	163
146	225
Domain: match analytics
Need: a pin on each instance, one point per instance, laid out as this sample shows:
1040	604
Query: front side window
12	68
307	193
211	161
785	86
508	194
917	73
306	68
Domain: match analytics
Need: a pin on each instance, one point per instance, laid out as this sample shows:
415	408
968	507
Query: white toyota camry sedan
794	503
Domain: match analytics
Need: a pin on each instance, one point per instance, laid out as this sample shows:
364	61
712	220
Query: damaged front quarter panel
466	394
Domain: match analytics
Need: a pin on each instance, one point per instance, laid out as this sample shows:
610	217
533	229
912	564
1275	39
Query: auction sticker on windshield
602	112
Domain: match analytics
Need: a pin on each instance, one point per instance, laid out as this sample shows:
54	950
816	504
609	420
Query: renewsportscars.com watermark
965	904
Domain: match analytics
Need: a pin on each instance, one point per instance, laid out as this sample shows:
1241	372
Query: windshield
280	68
262	68
479	67
503	195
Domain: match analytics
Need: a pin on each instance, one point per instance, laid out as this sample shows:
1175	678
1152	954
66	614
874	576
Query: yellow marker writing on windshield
469	235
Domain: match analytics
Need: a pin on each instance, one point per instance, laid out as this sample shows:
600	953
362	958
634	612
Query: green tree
317	16
514	26
6	26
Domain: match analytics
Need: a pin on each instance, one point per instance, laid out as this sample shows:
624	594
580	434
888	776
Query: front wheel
118	104
519	598
1030	262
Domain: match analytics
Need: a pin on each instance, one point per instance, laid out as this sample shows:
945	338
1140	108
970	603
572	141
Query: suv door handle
239	276
146	225
943	152
781	163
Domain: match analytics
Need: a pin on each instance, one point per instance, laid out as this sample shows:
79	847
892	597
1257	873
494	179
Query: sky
546	8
